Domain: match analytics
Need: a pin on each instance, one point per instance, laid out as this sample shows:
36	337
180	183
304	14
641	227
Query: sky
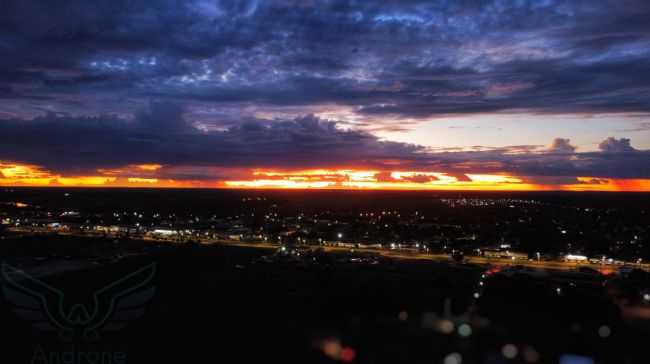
408	94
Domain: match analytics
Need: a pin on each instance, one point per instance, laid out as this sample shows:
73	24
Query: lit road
415	255
403	253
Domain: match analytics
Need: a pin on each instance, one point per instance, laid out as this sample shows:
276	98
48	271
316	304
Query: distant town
509	231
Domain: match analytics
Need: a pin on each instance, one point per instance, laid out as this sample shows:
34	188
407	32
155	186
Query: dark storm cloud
404	58
161	135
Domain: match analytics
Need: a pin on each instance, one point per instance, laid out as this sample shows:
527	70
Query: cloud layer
403	58
160	135
204	86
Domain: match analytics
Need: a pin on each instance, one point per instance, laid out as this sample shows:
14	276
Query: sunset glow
418	180
12	174
393	180
29	175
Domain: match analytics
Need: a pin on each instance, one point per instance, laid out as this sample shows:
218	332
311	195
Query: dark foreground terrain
119	276
243	305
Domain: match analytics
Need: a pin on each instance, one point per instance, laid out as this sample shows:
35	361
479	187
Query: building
504	254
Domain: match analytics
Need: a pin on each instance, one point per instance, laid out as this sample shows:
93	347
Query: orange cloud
608	184
423	180
143	180
15	174
149	167
368	179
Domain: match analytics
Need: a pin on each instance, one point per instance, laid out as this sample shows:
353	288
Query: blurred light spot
403	316
604	331
453	358
348	354
446	326
464	330
332	348
509	351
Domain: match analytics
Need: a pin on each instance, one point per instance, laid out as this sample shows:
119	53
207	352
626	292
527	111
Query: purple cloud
613	145
561	145
161	135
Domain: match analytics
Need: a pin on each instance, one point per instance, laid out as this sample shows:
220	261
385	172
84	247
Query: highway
403	253
416	255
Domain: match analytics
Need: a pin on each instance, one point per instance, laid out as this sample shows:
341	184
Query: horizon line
322	189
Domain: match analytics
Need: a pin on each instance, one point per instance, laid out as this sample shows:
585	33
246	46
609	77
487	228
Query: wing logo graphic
44	306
